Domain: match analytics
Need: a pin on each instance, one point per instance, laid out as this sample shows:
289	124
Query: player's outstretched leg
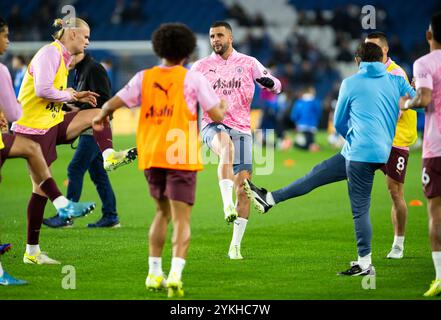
329	171
261	199
112	159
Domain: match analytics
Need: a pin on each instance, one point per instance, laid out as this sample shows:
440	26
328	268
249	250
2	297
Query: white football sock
60	202
226	188
107	152
155	266
1	270
177	265
436	256
270	199
32	249
239	229
365	261
398	241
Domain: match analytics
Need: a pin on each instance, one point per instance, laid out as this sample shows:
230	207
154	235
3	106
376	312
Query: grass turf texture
293	252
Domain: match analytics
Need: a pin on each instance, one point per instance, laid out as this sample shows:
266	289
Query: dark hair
21	58
173	41
3	24
221	24
369	52
107	61
378	35
436	26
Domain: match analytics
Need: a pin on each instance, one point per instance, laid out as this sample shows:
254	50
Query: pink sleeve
204	91
44	67
423	77
131	93
260	71
8	102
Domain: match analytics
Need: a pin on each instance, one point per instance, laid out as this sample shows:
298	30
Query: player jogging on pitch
168	95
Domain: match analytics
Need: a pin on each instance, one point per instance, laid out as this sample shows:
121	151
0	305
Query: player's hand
223	105
3	123
402	102
99	122
72	93
412	84
86	97
266	82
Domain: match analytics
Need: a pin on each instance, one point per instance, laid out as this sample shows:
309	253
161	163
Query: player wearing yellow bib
42	95
395	168
14	146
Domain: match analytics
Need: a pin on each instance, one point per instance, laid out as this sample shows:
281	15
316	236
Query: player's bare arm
422	99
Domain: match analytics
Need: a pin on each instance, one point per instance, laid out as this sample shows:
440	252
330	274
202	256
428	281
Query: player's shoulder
428	58
195	74
48	48
4	71
194	79
348	81
3	68
243	56
397	78
202	61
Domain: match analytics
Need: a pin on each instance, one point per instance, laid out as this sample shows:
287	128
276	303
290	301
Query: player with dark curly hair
168	143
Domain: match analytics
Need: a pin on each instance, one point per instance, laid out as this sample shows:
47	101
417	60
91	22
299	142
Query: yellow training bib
40	113
406	132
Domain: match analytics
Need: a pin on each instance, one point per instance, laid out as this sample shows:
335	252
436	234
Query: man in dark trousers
89	75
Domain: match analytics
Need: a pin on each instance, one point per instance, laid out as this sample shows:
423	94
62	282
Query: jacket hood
373	69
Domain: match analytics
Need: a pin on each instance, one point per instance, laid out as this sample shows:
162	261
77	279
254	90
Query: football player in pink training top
427	73
232	75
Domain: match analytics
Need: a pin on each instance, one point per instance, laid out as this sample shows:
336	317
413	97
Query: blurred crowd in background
311	53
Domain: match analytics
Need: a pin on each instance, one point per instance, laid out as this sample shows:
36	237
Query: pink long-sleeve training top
8	102
233	80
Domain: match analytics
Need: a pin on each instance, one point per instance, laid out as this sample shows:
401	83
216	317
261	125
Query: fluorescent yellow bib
40	113
1	142
406	133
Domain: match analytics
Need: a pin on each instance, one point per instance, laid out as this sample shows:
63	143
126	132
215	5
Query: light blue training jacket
367	112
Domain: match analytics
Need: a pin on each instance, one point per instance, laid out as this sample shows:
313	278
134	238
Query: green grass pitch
294	252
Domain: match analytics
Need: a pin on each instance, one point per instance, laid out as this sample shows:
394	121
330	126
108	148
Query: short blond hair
67	24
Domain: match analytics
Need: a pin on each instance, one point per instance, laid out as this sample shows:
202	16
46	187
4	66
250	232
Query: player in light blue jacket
366	116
